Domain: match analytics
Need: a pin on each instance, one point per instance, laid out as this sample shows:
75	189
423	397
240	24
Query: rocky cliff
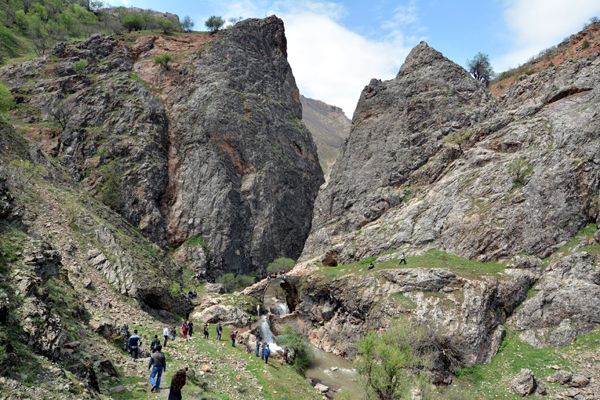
205	151
434	161
329	127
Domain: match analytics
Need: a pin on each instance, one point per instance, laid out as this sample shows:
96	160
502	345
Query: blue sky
336	47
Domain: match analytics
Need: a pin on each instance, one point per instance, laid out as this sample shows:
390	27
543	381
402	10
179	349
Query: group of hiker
264	351
157	363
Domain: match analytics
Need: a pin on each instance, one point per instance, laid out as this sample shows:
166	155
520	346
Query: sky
336	47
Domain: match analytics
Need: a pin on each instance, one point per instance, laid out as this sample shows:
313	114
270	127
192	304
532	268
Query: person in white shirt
166	335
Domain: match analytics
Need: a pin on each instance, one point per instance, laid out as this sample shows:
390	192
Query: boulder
107	367
330	258
322	388
223	313
524	383
578	381
561	377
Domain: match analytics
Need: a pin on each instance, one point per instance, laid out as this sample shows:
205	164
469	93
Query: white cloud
539	24
332	63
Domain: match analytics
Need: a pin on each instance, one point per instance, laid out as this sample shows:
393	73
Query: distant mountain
329	127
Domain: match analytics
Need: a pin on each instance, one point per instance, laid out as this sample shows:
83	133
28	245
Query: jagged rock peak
271	28
422	57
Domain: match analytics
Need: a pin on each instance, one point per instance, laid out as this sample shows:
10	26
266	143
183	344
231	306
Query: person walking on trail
219	331
133	343
257	345
233	337
155	344
266	354
173	333
402	259
166	335
206	331
286	353
190	328
158	363
184	330
177	383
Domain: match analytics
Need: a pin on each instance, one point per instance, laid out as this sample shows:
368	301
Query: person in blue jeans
158	362
266	354
257	345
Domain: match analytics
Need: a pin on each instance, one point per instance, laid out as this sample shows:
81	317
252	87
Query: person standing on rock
177	383
233	337
158	362
266	354
134	342
155	344
166	335
219	331
206	330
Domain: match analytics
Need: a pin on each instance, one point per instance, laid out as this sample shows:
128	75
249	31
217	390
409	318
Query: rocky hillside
433	160
329	127
204	153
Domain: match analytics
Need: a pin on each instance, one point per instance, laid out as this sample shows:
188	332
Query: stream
332	371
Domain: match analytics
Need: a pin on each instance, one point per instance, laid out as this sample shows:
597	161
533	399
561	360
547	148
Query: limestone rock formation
210	148
433	161
329	128
566	302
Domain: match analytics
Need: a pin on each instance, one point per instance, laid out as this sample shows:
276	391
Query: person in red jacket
184	330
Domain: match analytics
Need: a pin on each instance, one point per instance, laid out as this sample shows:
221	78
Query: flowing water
335	372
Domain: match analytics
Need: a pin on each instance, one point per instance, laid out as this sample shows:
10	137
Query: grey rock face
246	171
566	304
433	161
329	128
213	149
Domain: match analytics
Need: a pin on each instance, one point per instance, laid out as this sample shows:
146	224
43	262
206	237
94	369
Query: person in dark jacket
233	337
190	328
155	344
177	383
158	363
266	354
206	331
219	331
133	344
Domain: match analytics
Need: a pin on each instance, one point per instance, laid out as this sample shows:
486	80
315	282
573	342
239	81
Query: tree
387	361
481	69
301	356
187	24
214	23
281	264
133	22
166	25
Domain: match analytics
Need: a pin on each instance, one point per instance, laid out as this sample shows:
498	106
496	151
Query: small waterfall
280	309
267	335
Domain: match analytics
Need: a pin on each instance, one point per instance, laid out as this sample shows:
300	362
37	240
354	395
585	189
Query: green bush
6	99
80	66
520	169
163	60
281	264
166	25
303	356
232	282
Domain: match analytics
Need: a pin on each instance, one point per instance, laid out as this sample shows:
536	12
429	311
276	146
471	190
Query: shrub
133	22
80	66
214	23
232	282
187	24
281	264
163	60
6	99
520	169
584	45
387	360
302	355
